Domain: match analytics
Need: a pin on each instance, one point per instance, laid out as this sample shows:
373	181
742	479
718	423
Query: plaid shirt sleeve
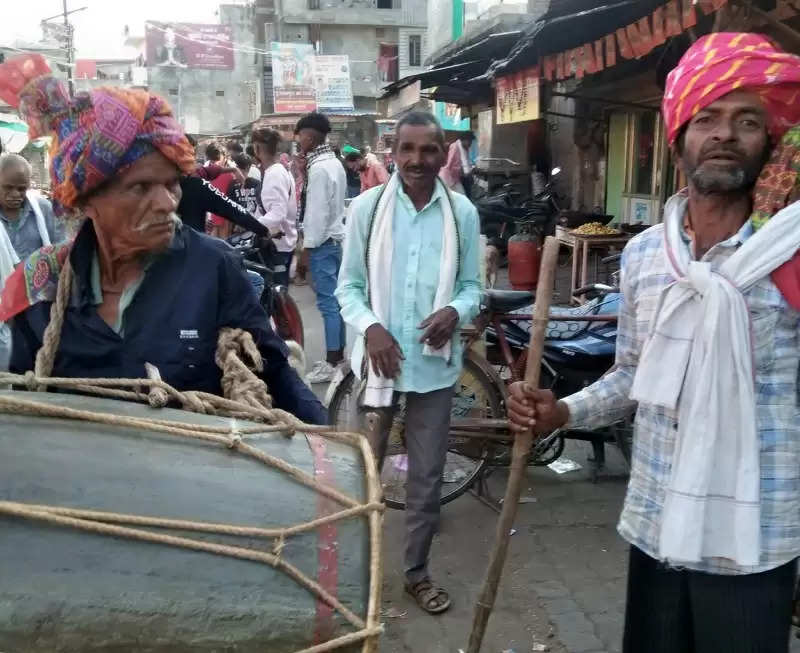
606	401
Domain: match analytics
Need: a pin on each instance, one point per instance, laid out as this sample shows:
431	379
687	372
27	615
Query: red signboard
187	45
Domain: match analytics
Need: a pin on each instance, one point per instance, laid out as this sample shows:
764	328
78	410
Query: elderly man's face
419	154
15	181
136	211
726	144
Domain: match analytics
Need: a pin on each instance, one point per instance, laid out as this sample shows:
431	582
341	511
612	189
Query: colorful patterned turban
722	62
95	136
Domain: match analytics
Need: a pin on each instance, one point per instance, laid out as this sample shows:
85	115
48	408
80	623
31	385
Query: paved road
564	581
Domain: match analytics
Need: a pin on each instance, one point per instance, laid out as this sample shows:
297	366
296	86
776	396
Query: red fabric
787	278
222	182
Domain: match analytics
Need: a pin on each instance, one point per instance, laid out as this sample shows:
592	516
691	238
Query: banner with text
187	45
332	77
293	77
518	97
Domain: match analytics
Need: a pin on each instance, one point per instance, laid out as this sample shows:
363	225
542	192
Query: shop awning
13	134
578	37
439	76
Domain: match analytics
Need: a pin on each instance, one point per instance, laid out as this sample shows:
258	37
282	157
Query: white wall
440	24
403	51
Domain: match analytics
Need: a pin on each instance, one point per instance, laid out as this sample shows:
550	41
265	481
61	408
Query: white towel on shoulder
698	360
380	390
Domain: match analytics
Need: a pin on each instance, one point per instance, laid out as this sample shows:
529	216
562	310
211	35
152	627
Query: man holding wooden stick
409	280
708	355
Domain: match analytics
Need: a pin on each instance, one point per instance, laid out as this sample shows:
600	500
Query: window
313	4
220	93
173	91
385	4
415	50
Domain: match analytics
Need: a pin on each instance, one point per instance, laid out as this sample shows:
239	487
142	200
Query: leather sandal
434	600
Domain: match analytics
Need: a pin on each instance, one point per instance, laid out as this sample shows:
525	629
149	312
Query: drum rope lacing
246	397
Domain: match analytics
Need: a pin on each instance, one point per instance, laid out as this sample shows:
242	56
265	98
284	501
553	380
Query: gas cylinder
524	254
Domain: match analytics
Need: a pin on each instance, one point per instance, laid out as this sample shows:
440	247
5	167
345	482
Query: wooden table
581	246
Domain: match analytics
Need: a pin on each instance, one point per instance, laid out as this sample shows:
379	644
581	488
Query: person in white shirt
323	232
277	199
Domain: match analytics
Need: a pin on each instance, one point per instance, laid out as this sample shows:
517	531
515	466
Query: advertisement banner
293	77
518	97
188	45
334	90
449	117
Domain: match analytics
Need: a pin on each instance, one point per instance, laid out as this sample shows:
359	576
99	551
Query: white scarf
9	259
698	360
380	390
8	255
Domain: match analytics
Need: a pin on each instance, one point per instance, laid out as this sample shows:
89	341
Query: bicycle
479	440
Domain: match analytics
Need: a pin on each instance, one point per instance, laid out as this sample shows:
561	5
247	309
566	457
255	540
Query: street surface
563	587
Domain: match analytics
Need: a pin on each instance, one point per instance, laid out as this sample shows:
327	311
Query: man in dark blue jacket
145	287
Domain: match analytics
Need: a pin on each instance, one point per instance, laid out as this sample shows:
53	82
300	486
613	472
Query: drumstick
522	447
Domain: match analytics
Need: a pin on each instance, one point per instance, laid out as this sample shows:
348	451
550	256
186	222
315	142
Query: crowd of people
707	347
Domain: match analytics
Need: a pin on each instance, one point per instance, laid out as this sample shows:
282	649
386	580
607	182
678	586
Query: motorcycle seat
504	301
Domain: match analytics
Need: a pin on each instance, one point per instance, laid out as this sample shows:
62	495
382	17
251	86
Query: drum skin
64	590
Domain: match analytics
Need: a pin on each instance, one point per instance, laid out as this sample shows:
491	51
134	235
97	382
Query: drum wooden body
63	589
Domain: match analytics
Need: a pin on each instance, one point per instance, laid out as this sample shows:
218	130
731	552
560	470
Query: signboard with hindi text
332	81
293	77
518	97
188	45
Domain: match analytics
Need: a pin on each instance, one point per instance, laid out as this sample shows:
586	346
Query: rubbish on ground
454	476
512	531
393	613
539	647
522	500
564	465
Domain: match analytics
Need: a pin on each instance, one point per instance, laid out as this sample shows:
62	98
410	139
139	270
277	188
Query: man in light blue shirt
396	348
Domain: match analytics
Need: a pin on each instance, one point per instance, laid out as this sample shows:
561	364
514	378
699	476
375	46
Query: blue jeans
258	283
325	262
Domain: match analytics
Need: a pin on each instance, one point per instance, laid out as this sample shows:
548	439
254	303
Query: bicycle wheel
476	395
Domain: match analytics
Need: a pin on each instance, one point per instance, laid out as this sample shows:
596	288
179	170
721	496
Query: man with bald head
27	217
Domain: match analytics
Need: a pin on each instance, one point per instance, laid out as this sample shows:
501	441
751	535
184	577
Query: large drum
67	588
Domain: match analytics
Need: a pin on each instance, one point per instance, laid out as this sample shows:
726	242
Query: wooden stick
522	447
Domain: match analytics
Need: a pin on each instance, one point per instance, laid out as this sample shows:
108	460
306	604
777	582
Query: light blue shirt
416	259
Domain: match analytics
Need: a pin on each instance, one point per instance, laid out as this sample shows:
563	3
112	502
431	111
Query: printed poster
189	45
332	78
293	77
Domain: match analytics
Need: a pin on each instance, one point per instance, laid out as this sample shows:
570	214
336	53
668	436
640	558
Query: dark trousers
466	182
283	261
680	611
427	428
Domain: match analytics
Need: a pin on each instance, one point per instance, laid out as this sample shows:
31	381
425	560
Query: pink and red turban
95	136
722	62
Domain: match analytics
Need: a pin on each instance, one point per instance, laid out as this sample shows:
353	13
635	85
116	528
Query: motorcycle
577	352
259	255
502	210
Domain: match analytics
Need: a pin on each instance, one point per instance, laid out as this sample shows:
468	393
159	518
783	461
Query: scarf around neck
702	326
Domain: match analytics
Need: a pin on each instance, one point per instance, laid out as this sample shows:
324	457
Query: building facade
381	37
209	102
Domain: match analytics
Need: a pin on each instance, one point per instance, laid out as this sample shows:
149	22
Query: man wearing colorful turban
708	357
145	288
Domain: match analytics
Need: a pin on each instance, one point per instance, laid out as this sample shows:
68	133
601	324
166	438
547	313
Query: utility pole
70	58
69	43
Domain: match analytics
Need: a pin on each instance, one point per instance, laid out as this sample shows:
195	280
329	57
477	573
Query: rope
246	397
